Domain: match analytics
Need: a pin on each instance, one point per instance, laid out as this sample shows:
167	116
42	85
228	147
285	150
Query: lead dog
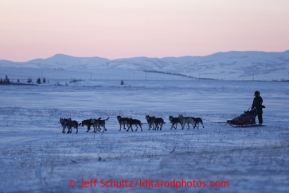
69	124
62	121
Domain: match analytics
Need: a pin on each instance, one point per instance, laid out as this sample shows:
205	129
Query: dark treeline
29	81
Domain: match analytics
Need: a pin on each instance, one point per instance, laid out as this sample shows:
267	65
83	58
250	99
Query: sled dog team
154	123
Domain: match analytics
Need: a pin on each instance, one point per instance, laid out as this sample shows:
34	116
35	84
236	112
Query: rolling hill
234	65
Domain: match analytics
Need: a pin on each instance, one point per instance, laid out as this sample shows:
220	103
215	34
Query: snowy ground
36	157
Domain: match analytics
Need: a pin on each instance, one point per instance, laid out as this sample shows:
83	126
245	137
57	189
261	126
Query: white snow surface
234	65
35	156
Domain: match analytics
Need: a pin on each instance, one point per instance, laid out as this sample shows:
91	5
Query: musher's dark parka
258	104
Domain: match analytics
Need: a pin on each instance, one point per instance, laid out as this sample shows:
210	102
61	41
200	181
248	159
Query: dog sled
246	119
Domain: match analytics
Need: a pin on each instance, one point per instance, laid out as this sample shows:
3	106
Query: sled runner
247	119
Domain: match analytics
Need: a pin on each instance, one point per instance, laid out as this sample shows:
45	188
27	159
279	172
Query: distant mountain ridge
222	65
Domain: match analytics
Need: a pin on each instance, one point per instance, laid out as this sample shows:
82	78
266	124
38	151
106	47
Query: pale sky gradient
113	29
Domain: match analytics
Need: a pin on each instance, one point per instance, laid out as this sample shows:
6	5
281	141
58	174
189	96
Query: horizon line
143	56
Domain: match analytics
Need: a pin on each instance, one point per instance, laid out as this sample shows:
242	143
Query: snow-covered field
36	157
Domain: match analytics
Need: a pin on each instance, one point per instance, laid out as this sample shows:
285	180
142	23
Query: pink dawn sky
113	29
